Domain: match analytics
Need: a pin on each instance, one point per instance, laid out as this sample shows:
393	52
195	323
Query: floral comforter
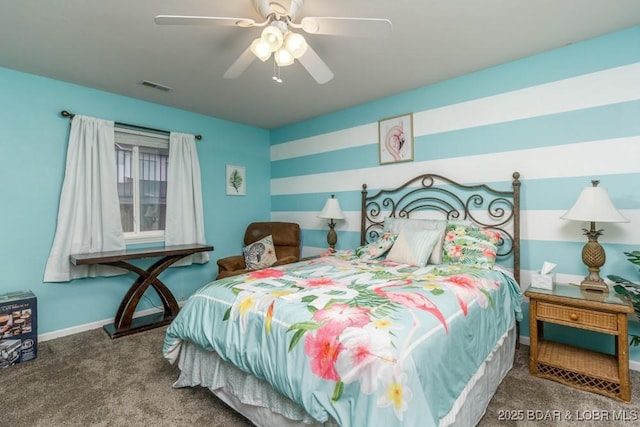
363	342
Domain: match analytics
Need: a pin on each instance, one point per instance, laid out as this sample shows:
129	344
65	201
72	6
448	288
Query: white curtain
185	215
89	211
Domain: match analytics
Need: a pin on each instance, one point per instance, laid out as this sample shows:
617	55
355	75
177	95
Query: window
141	168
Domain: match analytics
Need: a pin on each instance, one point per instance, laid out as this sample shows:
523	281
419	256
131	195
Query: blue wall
560	118
33	137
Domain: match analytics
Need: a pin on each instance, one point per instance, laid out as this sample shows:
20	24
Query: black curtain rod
65	113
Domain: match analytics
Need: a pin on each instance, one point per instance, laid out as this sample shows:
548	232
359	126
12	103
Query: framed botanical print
236	181
395	139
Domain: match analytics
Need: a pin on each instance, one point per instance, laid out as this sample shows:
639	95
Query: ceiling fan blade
203	20
315	66
357	27
240	64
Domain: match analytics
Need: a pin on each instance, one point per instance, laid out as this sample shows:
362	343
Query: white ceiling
113	45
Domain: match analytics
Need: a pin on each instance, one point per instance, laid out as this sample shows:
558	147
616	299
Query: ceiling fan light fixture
283	57
273	37
260	49
280	19
295	44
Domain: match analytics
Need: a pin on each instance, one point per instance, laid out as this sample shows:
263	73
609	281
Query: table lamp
594	205
332	211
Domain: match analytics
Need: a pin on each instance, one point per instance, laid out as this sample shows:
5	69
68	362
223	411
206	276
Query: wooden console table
124	323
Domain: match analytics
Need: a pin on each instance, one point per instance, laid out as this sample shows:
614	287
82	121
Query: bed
415	327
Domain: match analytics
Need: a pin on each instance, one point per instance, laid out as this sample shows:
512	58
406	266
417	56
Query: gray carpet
88	379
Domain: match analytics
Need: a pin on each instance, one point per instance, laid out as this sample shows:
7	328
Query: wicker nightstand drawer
578	316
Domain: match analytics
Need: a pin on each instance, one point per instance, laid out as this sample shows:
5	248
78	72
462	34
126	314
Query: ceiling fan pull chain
276	77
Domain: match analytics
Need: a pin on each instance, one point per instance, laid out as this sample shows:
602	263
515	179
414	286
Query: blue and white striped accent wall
560	118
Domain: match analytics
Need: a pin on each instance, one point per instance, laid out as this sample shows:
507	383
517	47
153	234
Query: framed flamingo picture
395	137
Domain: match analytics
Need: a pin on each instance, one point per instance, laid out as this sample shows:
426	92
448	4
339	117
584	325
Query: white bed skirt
257	401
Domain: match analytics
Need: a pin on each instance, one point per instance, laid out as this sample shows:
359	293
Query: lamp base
594	295
332	236
594	257
594	286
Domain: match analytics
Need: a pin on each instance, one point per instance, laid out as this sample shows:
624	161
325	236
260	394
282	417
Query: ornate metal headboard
480	204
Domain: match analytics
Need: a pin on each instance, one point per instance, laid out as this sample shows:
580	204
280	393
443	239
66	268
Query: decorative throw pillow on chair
260	254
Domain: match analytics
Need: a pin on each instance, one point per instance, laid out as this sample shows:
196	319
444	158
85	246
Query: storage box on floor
18	328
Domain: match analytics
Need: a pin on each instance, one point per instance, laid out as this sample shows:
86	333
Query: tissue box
542	281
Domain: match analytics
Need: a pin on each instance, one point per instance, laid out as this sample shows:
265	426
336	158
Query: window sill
143	239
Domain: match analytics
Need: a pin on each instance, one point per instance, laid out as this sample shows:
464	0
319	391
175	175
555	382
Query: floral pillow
468	244
378	247
260	254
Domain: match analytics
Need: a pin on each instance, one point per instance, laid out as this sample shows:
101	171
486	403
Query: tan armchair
286	240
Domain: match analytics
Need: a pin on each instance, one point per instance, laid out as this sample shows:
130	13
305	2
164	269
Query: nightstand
574	366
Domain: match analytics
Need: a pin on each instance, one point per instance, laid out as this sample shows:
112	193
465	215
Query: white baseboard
73	330
94	325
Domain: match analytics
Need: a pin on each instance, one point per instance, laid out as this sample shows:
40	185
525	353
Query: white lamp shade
295	44
273	37
260	49
283	57
594	205
332	209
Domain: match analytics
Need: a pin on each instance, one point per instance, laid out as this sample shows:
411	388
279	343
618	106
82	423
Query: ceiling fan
279	38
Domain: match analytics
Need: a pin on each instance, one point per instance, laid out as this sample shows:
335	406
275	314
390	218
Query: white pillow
413	247
395	225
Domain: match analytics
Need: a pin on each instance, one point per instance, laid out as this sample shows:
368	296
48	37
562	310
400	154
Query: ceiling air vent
156	85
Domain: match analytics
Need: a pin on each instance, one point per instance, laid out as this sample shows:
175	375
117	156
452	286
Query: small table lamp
594	205
332	211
